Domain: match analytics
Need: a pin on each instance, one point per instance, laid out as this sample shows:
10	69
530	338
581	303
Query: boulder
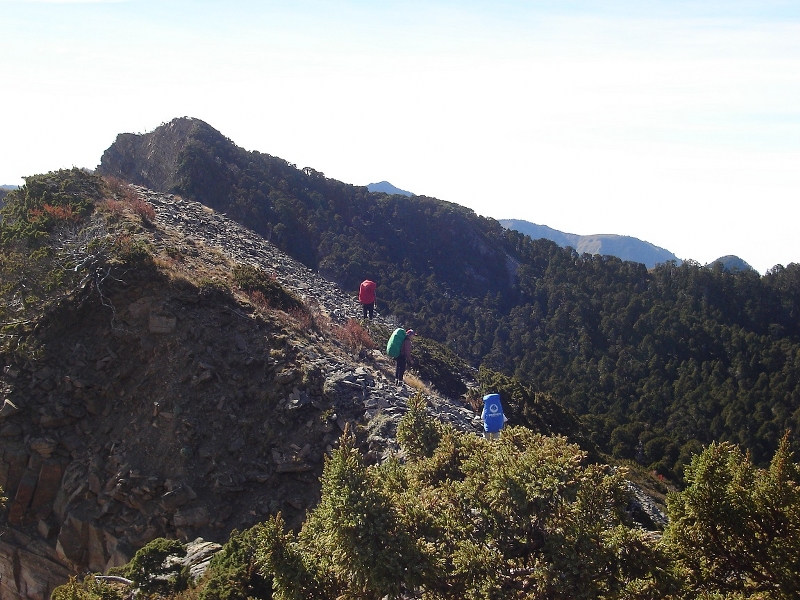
8	409
177	497
162	323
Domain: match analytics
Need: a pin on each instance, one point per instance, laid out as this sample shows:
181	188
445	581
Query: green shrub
417	433
132	251
736	528
63	196
48	244
155	570
253	280
213	288
233	572
467	518
89	589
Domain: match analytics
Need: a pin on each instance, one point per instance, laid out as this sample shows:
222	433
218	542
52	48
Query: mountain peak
387	188
152	159
731	263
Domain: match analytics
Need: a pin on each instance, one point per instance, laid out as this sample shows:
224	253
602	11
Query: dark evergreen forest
656	364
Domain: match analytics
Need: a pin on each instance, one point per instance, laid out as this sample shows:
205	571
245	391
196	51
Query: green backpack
395	342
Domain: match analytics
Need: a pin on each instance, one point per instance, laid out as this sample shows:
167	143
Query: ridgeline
656	363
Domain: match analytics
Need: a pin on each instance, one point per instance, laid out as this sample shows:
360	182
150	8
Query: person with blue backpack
493	417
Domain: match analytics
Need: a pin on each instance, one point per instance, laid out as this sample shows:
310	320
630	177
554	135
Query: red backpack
366	293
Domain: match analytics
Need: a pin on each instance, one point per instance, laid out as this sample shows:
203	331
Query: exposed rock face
150	160
29	566
185	415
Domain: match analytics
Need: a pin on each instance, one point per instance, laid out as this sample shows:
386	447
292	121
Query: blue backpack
493	417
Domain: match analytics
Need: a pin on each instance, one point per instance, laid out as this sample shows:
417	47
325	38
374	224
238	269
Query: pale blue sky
674	122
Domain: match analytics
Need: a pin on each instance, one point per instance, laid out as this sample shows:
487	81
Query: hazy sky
674	122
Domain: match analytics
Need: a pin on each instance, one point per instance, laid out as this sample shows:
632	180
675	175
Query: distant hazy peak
731	263
387	188
621	246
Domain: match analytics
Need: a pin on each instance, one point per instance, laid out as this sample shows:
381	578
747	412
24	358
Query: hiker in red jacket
366	296
404	357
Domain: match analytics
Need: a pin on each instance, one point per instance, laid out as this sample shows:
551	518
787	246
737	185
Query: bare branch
82	247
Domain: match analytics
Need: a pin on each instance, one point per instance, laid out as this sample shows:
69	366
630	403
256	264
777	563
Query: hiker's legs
368	309
401	368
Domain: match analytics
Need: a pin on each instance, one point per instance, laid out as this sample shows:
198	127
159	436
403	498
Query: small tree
736	528
417	433
155	570
89	589
232	573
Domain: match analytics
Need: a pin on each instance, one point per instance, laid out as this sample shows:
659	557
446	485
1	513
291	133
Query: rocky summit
170	404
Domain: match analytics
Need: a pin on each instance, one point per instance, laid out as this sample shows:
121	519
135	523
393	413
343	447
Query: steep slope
621	246
168	402
154	163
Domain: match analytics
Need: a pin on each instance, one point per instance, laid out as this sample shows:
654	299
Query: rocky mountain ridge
175	407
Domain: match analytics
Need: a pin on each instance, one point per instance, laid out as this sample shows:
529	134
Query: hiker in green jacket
404	357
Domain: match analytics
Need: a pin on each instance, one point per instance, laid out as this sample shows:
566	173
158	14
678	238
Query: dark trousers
401	367
368	309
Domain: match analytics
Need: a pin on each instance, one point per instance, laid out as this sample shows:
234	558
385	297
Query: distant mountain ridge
4	189
387	188
621	246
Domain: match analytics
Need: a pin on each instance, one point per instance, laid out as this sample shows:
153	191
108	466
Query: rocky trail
199	223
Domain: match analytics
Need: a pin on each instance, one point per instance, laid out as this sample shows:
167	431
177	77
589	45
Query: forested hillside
656	363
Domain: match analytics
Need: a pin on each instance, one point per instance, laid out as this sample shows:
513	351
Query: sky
674	122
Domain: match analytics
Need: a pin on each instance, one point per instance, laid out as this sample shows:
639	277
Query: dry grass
353	336
124	197
259	300
116	186
114	207
416	383
310	317
144	209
